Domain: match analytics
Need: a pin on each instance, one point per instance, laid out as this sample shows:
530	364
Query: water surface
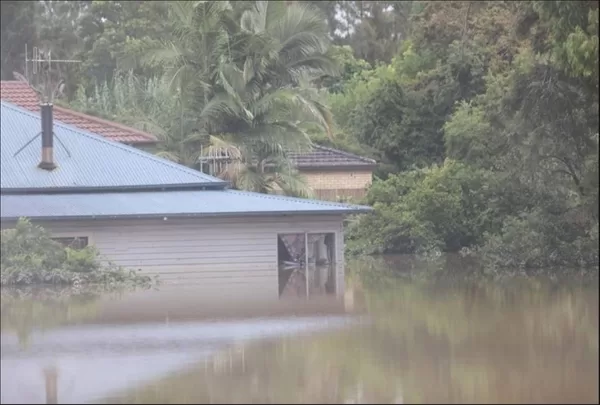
390	339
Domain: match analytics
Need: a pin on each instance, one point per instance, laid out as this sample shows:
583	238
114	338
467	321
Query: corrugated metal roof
161	204
85	160
22	95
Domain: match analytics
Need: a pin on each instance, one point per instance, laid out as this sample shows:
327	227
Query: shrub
29	256
536	239
424	210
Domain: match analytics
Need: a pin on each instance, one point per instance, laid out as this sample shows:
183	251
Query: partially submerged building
332	174
144	212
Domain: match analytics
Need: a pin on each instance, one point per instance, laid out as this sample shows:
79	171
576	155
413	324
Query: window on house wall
76	242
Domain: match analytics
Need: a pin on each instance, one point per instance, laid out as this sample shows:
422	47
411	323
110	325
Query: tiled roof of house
22	95
318	157
323	157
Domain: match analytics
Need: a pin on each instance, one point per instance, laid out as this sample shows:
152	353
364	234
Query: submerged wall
206	250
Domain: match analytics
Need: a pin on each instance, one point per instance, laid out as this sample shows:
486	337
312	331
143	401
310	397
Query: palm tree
286	42
263	170
246	69
189	59
267	104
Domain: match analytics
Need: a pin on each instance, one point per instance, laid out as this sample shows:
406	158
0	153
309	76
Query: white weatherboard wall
240	249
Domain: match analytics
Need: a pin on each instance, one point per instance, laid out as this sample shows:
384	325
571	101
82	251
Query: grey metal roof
85	161
317	157
161	204
323	157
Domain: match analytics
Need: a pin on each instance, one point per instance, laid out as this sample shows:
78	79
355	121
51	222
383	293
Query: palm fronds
234	76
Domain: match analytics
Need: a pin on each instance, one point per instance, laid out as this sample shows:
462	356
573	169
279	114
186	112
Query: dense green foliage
229	77
483	116
487	126
18	29
29	256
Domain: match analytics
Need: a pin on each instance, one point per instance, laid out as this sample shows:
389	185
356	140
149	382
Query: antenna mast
47	83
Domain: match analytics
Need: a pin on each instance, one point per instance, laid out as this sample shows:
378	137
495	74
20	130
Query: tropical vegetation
483	116
234	77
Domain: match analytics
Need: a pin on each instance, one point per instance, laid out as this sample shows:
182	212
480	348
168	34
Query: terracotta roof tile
22	95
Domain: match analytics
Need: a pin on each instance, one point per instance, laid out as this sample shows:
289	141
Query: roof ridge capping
343	152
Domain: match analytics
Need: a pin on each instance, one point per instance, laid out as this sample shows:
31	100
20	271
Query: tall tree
266	105
17	28
246	78
242	75
60	31
115	30
373	29
197	40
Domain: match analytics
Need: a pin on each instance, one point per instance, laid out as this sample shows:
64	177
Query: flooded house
147	213
330	173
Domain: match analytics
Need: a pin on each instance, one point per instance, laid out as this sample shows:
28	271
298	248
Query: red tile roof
22	95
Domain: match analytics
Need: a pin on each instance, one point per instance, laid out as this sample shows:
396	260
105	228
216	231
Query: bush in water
29	256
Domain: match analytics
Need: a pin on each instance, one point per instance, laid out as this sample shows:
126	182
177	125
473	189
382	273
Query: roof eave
315	167
111	189
361	210
145	142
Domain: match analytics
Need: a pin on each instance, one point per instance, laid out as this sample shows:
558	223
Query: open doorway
306	264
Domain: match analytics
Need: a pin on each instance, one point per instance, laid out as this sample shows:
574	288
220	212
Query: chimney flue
47	162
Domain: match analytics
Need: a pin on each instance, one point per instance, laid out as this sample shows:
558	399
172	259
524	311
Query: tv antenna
44	76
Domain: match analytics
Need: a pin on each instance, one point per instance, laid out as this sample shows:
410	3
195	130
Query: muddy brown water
389	339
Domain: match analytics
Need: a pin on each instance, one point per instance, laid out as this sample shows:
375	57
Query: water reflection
84	346
26	309
525	340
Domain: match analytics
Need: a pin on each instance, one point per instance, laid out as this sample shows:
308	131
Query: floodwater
390	339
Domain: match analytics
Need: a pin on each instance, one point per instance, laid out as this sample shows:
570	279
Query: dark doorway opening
306	264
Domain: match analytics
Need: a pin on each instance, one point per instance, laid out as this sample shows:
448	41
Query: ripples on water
387	340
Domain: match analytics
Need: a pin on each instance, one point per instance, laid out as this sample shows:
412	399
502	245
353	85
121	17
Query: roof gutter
338	167
361	210
139	143
220	185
